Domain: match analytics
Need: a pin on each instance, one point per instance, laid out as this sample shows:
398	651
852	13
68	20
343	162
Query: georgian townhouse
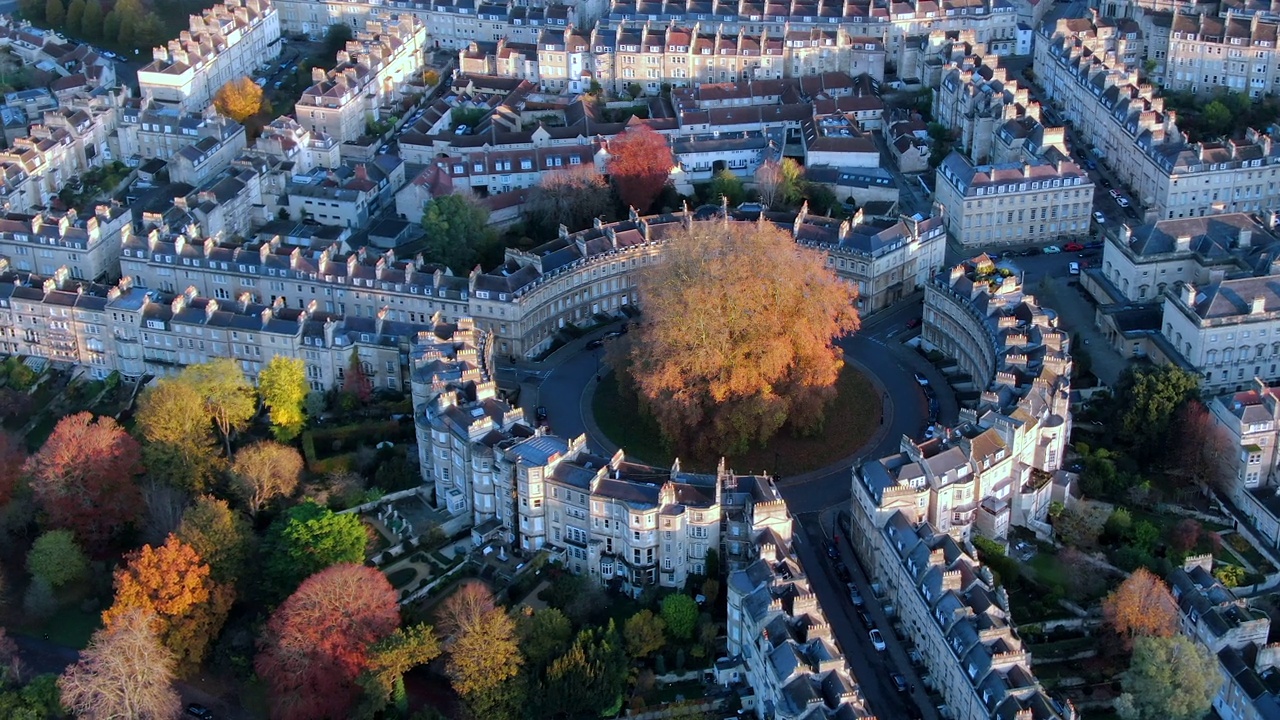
87	247
224	42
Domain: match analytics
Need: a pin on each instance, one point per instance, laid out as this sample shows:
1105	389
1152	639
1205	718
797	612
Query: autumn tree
588	680
84	478
282	385
573	197
12	457
680	614
1141	606
125	672
639	165
219	535
779	182
1169	678
317	642
738	337
228	398
306	540
91	21
356	383
484	657
173	585
544	635
388	661
457	232
54	13
57	559
75	12
645	634
1203	452
239	99
177	439
1184	536
263	471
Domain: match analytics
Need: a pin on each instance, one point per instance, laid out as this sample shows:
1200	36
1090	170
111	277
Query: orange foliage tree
239	99
317	643
172	583
1141	606
83	479
737	336
639	165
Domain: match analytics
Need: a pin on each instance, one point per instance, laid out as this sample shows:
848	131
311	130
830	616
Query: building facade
224	43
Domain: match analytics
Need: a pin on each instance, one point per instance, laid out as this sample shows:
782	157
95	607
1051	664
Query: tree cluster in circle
737	338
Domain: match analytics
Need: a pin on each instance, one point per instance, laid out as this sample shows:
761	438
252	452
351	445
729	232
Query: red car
1073	247
913	323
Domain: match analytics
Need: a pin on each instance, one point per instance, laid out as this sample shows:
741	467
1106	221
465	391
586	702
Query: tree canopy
680	614
84	478
544	635
737	337
1141	606
457	232
219	535
125	672
726	187
282	385
779	182
178	442
239	99
171	584
1169	678
57	559
588	680
573	197
390	658
263	471
1148	399
645	634
317	642
640	162
228	398
305	540
484	656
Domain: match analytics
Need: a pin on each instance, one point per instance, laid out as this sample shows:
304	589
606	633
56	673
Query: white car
877	641
1099	218
1073	268
1122	201
1052	250
1115	194
921	380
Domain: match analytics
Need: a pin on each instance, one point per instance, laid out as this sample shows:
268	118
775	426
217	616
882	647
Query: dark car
833	552
196	710
913	323
899	682
541	413
842	572
1033	251
1094	245
866	619
597	343
1106	183
1091	164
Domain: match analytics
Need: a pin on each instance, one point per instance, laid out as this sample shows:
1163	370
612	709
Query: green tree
110	26
336	37
645	634
389	659
1169	678
75	13
37	700
1217	118
779	182
220	536
588	680
457	232
1148	399
228	397
91	22
282	385
544	635
32	10
727	185
1230	575
820	198
56	558
680	613
54	13
943	139
305	540
178	445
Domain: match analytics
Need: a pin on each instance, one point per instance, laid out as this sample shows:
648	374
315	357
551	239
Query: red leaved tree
83	478
357	381
317	642
12	457
639	164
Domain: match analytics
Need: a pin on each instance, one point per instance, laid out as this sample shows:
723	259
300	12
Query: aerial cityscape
648	359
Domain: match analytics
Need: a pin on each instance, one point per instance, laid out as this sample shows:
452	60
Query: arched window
1212	357
1228	355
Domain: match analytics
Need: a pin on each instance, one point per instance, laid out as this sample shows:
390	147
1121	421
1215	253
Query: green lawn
851	420
70	627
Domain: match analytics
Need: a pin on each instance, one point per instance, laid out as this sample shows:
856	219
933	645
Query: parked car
595	344
1073	247
921	380
1052	250
613	334
1094	245
196	710
877	641
541	413
913	323
1073	268
833	552
842	572
855	597
1122	201
899	682
1031	251
930	432
1090	164
1115	194
1106	183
